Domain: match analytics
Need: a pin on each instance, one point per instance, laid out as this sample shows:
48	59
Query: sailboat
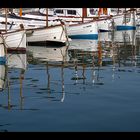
38	31
14	20
52	34
13	40
85	28
125	20
70	16
75	15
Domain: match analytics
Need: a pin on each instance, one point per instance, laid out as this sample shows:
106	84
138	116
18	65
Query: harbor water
87	86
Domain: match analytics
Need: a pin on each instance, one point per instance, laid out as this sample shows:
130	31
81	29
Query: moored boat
55	34
13	40
125	21
88	30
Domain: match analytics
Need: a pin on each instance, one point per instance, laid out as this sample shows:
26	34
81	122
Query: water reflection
86	74
124	37
85	45
15	62
2	76
51	57
105	36
86	59
127	49
85	55
49	67
53	54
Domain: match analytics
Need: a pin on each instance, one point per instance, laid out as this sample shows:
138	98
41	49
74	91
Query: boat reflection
124	37
85	45
105	36
45	54
19	62
128	49
52	57
2	77
85	55
2	66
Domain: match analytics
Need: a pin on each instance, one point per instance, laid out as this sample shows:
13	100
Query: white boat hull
52	34
120	24
24	22
104	25
14	41
83	31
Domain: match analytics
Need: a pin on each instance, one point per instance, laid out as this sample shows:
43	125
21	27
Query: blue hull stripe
85	36
125	27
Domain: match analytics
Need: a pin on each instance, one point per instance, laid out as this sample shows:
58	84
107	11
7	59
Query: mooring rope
64	30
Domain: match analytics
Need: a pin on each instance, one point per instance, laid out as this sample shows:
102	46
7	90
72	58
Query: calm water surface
91	85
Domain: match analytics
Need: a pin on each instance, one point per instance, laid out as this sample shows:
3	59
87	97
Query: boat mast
125	15
20	12
99	12
105	12
84	14
47	17
118	11
6	19
133	15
